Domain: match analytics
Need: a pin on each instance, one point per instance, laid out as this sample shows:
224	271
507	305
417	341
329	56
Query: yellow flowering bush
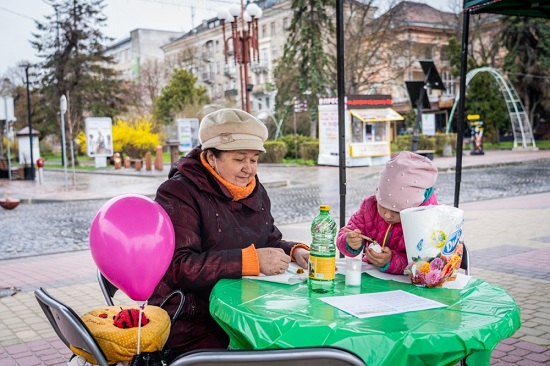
134	137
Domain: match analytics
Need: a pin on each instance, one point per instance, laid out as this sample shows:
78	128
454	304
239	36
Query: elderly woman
223	225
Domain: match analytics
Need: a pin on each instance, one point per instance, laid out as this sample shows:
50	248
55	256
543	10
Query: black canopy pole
461	103
341	107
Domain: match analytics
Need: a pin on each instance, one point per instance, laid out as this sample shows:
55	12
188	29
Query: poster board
99	137
428	124
188	133
6	109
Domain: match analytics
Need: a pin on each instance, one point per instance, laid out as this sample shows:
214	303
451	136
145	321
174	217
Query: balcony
231	93
259	68
230	72
207	77
264	88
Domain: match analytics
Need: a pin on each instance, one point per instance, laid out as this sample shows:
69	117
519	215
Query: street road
53	227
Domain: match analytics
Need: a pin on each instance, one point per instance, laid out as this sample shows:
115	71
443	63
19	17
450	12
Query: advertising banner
99	136
188	133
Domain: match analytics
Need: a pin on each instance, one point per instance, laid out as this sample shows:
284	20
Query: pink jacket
373	225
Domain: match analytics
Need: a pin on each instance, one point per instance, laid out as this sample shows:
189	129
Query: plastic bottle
322	255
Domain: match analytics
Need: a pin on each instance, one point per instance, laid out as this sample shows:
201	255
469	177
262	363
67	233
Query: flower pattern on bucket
434	271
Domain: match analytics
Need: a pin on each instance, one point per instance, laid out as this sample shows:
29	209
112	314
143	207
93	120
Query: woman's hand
354	240
301	256
272	261
378	259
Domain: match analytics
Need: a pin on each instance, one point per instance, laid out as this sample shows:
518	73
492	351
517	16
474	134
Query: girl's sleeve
357	221
398	262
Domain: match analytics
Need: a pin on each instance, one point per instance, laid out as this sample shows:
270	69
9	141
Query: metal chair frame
107	288
465	263
68	326
312	356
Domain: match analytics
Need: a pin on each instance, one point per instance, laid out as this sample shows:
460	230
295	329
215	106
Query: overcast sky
17	20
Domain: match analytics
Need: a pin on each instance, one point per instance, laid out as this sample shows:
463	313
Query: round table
266	315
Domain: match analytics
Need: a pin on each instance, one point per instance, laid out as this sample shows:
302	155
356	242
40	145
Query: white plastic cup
353	271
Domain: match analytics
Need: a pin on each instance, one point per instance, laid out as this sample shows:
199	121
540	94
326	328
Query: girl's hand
378	259
354	240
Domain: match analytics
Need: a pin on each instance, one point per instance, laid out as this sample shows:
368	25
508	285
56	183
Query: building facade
202	51
131	53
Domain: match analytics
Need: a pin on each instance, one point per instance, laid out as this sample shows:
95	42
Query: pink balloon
132	243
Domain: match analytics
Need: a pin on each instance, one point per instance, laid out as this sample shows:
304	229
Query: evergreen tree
180	92
528	62
483	96
71	44
303	71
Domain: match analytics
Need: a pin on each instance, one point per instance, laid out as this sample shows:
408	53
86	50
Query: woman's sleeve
191	267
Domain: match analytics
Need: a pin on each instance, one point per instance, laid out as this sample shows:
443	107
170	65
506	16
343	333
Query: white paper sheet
290	277
381	303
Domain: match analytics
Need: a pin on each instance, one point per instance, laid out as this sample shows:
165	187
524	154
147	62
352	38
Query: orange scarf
237	192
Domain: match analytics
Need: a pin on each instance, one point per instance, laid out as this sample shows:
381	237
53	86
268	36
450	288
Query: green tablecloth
265	315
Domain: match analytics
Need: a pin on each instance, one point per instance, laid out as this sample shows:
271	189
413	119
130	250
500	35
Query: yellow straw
386	236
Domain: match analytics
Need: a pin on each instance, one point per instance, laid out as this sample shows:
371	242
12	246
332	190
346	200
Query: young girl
406	181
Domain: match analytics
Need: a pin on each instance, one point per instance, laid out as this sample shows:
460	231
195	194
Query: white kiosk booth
367	129
24	146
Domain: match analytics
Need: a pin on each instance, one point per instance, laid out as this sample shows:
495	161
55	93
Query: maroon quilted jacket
211	230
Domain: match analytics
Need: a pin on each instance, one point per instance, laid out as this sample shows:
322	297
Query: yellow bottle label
322	268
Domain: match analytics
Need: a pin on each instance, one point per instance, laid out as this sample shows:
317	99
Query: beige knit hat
232	129
404	181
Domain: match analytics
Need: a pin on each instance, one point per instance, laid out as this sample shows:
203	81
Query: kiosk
367	121
23	144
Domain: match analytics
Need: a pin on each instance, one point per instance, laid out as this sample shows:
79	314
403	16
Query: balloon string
139	328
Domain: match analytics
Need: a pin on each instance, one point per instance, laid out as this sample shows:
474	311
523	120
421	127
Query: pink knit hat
404	181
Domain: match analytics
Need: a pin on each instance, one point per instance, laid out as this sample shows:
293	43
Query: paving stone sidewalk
509	239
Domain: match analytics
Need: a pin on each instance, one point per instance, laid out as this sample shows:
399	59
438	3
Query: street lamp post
63	110
244	42
30	120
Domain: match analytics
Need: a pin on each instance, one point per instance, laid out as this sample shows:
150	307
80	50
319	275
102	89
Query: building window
264	60
285	23
264	30
273	29
274	52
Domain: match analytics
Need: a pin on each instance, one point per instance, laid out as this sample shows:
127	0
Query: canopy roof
377	115
523	8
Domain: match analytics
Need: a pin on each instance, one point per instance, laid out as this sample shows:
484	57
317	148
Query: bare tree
151	79
368	43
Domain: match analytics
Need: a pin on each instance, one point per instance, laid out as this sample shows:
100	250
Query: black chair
465	264
68	326
313	356
107	288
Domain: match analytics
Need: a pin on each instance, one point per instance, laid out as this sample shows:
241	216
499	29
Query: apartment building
422	33
202	51
418	31
131	53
